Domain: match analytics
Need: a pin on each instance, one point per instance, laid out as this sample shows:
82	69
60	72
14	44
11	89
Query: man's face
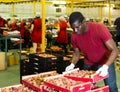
79	27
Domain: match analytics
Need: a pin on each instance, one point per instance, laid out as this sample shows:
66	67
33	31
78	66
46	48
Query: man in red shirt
95	41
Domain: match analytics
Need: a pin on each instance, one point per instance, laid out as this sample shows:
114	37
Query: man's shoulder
95	23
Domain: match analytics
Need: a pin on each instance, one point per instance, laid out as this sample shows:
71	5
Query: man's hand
70	67
103	71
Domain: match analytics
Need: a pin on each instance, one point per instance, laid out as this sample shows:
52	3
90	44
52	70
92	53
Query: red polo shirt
92	43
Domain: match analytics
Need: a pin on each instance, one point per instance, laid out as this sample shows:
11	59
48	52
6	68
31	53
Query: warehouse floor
11	76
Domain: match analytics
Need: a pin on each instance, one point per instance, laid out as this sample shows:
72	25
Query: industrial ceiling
77	3
11	1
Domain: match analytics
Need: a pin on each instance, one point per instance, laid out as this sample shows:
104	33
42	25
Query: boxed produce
59	83
17	88
85	75
56	49
95	89
36	81
45	55
42	55
71	55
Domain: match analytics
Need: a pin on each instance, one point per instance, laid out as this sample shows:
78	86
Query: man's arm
110	44
74	60
76	56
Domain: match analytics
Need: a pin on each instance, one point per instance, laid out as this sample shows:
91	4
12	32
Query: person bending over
95	41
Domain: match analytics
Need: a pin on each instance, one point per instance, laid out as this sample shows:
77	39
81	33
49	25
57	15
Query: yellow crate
16	59
11	60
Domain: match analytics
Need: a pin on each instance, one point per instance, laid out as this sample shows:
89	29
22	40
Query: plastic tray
40	88
101	89
93	78
82	87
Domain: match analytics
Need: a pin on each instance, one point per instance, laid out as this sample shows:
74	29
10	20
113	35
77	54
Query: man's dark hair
76	16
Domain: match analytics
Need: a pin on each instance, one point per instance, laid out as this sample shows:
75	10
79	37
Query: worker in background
98	47
14	25
36	33
69	46
25	34
8	21
106	22
48	35
3	22
3	28
117	26
62	38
